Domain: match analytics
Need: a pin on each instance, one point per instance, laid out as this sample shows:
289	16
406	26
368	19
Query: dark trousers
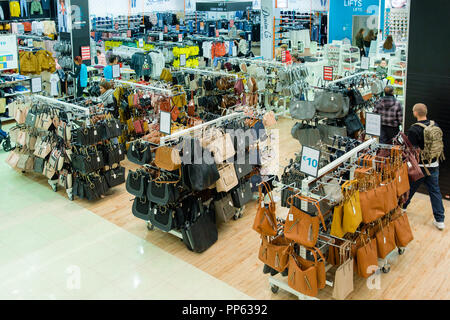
388	133
432	184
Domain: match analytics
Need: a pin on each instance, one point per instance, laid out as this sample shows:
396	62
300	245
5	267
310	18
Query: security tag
291	217
98	159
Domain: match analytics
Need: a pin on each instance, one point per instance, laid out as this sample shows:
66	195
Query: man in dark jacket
391	113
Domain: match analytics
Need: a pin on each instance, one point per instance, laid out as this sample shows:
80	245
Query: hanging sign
328	73
8	52
180	37
182	60
310	161
116	71
373	124
165	122
36	85
85	53
141	43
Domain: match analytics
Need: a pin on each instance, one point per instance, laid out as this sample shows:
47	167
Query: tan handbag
269	119
302	278
403	232
223	148
300	227
228	179
343	278
265	222
167	158
275	253
13	158
385	239
336	223
49	171
320	266
367	258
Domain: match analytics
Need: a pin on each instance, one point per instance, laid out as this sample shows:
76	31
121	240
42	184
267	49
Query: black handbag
140	153
353	123
202	176
162	217
78	188
39	165
115	176
200	231
141	208
137	182
113	153
162	193
242	194
242	165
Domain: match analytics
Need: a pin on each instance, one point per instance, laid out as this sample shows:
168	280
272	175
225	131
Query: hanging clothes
36	7
14	9
23	8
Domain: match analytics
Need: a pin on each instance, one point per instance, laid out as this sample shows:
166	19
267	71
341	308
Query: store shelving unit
398	72
396	24
25	81
349	59
333	55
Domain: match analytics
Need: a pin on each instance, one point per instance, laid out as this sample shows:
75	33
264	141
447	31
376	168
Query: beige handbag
22	138
343	280
49	172
228	179
13	158
43	148
223	148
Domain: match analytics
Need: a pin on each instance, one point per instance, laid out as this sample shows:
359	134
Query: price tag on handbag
290	217
303	252
115	176
98	159
120	151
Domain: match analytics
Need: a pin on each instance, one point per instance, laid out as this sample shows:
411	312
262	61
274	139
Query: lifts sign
357	5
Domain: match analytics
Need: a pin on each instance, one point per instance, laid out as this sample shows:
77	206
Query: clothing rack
354	76
66	105
143	86
215	73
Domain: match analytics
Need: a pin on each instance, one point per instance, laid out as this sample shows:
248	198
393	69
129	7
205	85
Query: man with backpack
426	135
391	113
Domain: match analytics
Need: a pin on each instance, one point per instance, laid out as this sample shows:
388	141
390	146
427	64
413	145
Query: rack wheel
150	227
236	216
401	251
71	198
54	188
274	289
386	268
7	145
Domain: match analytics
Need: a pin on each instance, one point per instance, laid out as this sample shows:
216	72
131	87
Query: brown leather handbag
300	226
320	266
265	222
403	232
302	278
228	178
366	258
385	239
275	253
167	158
371	196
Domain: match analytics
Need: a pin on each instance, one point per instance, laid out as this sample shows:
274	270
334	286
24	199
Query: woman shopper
81	75
367	41
359	39
389	45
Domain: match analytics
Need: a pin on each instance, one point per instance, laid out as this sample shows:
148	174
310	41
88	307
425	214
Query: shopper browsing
108	72
426	135
242	46
107	94
359	41
391	113
81	75
368	41
389	45
100	58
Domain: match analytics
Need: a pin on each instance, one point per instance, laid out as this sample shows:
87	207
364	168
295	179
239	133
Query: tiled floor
51	248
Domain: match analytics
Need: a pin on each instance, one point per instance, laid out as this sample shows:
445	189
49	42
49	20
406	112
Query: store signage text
265	12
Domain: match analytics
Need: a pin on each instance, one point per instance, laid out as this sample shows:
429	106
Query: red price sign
283	56
231	23
217	33
86	53
328	73
180	37
165	29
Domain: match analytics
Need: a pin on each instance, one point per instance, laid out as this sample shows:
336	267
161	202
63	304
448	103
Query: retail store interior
222	150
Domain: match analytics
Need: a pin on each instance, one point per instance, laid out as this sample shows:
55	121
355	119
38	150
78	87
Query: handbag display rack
219	182
48	142
361	226
336	109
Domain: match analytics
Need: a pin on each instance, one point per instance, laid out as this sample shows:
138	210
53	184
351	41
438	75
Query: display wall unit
396	24
18	86
397	70
349	60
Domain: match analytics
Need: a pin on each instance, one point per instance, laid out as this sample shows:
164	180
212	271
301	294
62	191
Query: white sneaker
439	225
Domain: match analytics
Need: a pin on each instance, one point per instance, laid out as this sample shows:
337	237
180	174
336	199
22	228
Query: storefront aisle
51	248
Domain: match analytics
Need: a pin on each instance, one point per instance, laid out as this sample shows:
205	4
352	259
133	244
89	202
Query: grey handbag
327	132
376	86
331	104
302	110
306	134
224	209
